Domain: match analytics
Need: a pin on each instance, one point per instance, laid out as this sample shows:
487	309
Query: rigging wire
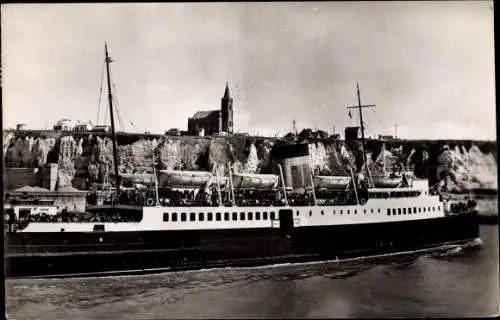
100	92
126	117
384	125
106	115
117	111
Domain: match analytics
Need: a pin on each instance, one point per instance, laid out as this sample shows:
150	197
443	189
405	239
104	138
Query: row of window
393	194
174	216
348	211
399	211
410	211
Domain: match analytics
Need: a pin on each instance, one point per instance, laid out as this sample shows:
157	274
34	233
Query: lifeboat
137	178
184	179
255	181
386	182
331	182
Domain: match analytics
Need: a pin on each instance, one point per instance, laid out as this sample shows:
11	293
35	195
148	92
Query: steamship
195	219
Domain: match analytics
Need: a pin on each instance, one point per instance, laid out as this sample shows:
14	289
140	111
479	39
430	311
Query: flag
350	115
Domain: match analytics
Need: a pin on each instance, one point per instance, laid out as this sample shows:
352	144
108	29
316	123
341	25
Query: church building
214	122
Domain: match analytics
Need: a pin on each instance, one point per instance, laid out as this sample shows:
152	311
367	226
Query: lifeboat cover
255	181
331	182
184	179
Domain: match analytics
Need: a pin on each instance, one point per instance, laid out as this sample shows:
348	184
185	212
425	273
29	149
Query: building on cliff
173	132
14	178
70	125
352	133
101	128
83	126
213	121
44	176
64	125
385	137
70	199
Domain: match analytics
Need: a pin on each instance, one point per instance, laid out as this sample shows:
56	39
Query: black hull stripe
267	262
96	253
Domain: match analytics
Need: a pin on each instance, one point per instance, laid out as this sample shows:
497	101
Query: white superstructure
384	205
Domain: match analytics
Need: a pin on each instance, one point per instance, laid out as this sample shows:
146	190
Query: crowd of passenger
67	217
463	207
242	197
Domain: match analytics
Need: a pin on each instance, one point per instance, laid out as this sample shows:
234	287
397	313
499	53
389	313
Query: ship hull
105	253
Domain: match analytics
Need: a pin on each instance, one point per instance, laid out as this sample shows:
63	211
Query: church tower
227	111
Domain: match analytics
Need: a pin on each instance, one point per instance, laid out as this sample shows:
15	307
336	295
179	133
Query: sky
427	66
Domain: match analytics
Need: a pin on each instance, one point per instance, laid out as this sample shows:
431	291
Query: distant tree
334	136
290	136
321	134
306	133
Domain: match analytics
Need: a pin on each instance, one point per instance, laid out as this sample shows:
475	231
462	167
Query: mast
110	99
360	107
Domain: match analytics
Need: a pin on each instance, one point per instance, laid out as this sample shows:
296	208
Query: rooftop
205	114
